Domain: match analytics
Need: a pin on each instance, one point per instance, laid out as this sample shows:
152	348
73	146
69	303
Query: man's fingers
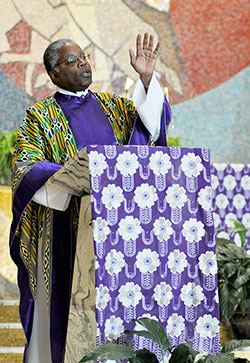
146	44
132	56
138	43
151	42
145	41
157	48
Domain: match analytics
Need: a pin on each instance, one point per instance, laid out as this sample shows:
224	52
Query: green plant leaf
7	142
242	279
234	345
230	269
146	356
229	299
183	353
155	332
109	351
244	300
219	358
240	229
141	333
199	358
174	141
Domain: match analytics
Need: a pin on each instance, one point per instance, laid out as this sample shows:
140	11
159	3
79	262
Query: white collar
78	93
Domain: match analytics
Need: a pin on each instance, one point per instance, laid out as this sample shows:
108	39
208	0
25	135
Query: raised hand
144	60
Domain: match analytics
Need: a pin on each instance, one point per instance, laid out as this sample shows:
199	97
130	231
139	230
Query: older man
45	221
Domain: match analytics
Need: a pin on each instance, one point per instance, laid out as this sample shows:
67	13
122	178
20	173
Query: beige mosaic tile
42	16
11	17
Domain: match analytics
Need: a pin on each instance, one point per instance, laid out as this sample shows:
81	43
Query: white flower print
163	294
191	165
114	262
205	198
229	182
97	163
221	201
245	182
112	196
113	327
102	297
217	219
193	230
162	229
130	294
140	327
159	163
145	195
101	229
175	325
147	260
237	167
176	196
191	294
246	220
223	234
239	201
207	263
216	296
207	326
97	265
127	163
129	228
230	217
177	261
220	167
214	181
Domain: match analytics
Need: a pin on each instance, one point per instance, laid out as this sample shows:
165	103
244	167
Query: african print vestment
45	142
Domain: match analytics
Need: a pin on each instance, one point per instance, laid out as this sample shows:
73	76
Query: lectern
145	247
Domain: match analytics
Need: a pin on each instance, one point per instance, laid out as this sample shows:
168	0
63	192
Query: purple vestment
90	125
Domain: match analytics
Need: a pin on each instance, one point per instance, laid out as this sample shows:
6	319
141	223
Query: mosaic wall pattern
204	60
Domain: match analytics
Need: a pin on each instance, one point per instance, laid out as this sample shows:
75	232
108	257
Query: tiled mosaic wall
204	60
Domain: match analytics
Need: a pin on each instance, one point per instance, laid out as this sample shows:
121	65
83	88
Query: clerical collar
78	93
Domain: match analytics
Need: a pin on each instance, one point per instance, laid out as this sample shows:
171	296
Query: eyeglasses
70	61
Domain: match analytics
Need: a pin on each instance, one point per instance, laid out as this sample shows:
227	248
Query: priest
45	220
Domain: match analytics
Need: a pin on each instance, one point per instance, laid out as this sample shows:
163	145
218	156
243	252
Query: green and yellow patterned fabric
45	135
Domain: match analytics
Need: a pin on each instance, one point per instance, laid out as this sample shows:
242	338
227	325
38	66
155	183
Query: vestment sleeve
32	161
149	105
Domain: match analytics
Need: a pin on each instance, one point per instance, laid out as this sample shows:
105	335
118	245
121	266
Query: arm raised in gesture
144	60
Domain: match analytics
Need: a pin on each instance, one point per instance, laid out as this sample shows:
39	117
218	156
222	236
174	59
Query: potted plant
7	143
234	281
181	353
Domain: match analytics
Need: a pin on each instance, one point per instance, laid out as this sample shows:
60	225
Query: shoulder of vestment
43	104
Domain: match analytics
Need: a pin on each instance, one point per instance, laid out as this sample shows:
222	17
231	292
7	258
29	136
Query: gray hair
53	52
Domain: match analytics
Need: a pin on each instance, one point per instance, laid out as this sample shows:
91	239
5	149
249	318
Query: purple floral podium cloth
231	198
145	247
154	243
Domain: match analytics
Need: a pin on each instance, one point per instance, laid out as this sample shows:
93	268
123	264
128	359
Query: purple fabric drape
231	199
30	183
154	243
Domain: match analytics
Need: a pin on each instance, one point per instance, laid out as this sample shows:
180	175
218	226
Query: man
45	221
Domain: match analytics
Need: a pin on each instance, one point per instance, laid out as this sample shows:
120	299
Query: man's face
75	72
